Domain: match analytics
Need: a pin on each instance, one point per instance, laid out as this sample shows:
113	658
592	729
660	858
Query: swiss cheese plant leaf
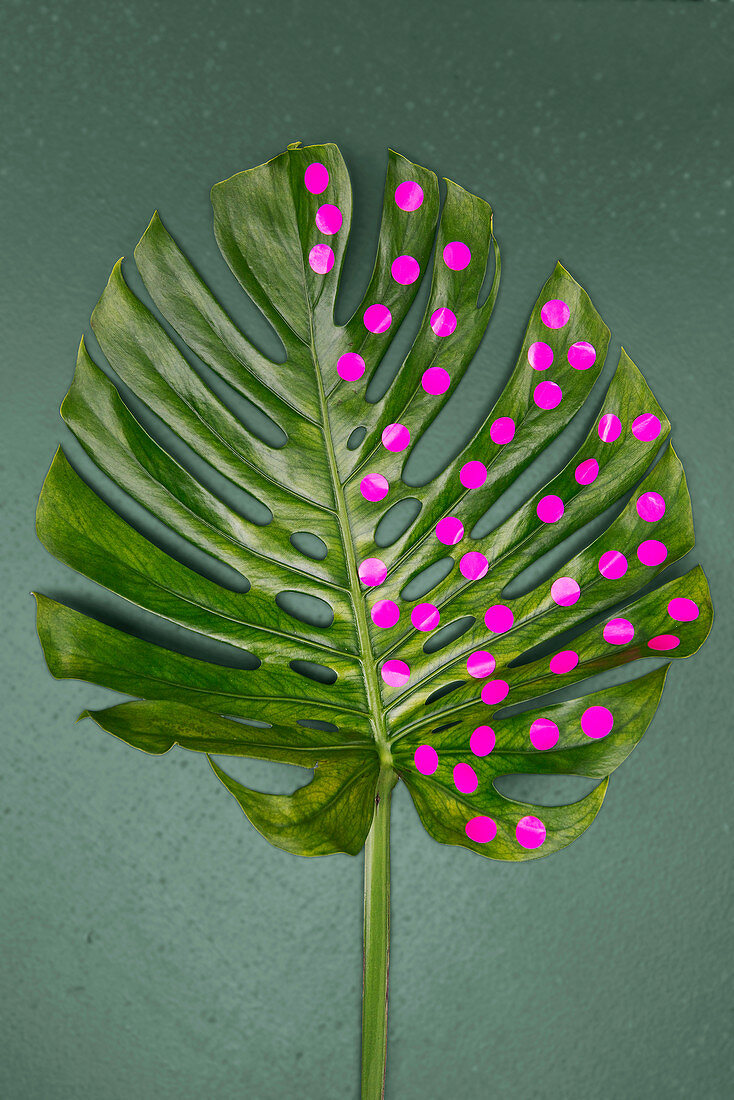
428	655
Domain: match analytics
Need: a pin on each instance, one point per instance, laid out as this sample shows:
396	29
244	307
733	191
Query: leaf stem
376	941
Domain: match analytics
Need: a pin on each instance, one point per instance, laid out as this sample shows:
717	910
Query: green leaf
459	689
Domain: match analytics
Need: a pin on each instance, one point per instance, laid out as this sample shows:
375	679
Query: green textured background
154	945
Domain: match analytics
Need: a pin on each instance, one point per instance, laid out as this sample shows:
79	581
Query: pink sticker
321	259
550	509
498	618
565	591
465	778
377	318
650	507
482	741
443	321
395	673
530	832
436	380
426	759
547	395
540	355
481	829
316	178
372	572
405	270
664	641
374	487
582	355
543	734
646	427
473	474
587	471
597	722
609	428
502	430
349	366
425	616
395	437
328	219
613	565
480	664
494	691
555	313
683	610
409	195
385	614
651	552
565	661
618	632
473	565
456	255
450	530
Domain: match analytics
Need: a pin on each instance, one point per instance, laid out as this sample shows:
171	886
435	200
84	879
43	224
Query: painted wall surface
154	946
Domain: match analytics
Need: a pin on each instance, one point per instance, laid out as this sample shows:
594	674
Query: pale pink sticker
450	530
562	662
405	269
473	474
650	507
586	471
409	195
547	395
651	552
540	355
609	428
550	509
480	664
443	321
597	722
618	632
481	829
395	673
435	380
543	734
316	178
473	565
613	565
482	741
582	355
555	313
377	318
646	428
530	832
456	255
425	616
395	437
565	591
328	219
321	259
385	614
372	571
465	778
683	610
349	366
374	487
498	618
426	759
664	642
494	691
502	430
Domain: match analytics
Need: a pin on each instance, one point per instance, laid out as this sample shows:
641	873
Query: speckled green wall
154	946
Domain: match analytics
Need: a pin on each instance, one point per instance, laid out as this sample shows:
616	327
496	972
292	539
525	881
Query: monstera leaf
375	662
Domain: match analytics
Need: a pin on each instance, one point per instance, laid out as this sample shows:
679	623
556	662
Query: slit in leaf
448	634
322	674
396	521
545	790
310	545
427	579
317	724
306	608
445	690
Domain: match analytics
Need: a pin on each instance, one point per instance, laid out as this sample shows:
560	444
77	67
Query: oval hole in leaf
545	790
445	690
317	724
310	545
308	609
396	521
356	438
448	634
427	579
322	674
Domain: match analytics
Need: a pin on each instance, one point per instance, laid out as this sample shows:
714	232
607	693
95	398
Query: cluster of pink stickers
328	219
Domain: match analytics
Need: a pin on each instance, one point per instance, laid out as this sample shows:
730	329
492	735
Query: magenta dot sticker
547	395
555	313
372	571
473	474
550	509
435	380
405	270
443	321
498	618
482	741
565	591
581	355
565	661
646	428
465	778
540	355
349	366
502	430
586	471
385	614
494	691
395	673
530	832
650	507
426	759
597	722
664	642
473	565
321	259
543	734
450	530
456	255
481	829
613	565
480	664
395	437
328	219
316	178
618	632
377	318
374	487
651	552
409	195
425	616
683	610
609	428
